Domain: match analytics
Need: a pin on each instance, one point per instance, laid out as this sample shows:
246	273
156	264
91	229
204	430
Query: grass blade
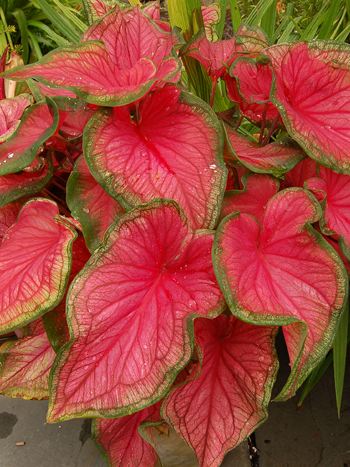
235	15
23	29
339	356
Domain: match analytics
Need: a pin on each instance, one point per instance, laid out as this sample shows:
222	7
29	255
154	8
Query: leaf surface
282	272
121	57
312	92
229	398
17	185
274	158
25	365
11	111
90	204
34	264
37	125
121	441
173	150
131	308
258	189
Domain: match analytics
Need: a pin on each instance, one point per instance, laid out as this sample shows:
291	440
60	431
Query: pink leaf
274	158
282	272
312	93
122	442
258	189
34	264
131	309
8	216
55	320
216	57
249	84
171	147
20	184
334	188
229	399
37	125
211	17
25	365
120	59
90	204
251	40
11	111
305	169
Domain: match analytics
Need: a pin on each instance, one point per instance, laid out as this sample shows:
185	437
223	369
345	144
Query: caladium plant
169	238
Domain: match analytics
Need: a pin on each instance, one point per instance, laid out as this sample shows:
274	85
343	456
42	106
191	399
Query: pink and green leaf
249	85
55	322
11	111
228	400
34	264
216	57
257	191
334	190
38	123
312	89
120	59
24	183
274	158
172	149
25	365
121	440
280	271
90	204
131	308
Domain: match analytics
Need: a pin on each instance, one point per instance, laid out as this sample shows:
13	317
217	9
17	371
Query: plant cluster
153	244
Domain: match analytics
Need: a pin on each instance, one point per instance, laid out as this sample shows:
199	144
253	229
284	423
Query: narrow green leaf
23	29
314	378
59	40
235	15
328	24
268	20
221	24
340	346
59	21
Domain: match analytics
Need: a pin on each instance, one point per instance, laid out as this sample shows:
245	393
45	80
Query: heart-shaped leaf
131	308
90	204
274	158
25	365
229	398
312	92
280	271
335	191
257	191
120	59
34	264
171	147
11	111
121	441
17	185
38	123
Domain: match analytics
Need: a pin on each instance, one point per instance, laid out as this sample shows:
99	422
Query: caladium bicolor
249	85
275	158
24	183
281	272
38	123
312	93
170	146
131	308
216	57
257	190
90	204
334	190
11	111
129	50
121	440
25	365
229	398
34	264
